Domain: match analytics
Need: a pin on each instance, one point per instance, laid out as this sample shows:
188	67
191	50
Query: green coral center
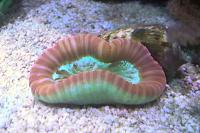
88	63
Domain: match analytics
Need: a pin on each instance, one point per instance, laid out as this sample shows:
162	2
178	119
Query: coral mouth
88	63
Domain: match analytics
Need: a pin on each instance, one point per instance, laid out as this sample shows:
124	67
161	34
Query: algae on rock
154	37
4	5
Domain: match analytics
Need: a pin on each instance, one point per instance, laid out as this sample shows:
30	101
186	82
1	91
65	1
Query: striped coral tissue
96	86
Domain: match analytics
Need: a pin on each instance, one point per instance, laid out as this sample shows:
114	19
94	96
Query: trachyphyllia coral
85	69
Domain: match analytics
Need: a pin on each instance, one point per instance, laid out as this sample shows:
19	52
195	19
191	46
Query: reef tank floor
40	23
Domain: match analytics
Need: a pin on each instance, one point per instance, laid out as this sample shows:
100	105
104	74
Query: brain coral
85	69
